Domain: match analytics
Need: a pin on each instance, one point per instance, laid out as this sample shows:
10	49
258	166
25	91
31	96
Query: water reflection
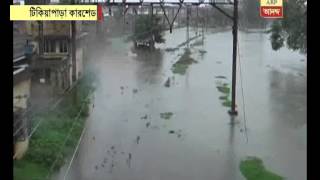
149	71
287	96
231	163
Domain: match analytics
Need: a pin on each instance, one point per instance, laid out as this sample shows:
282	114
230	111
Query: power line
69	134
53	103
242	93
53	107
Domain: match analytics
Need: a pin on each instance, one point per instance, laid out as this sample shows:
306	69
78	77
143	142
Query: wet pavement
127	138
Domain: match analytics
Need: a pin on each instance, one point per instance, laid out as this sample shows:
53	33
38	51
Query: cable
51	105
69	134
242	93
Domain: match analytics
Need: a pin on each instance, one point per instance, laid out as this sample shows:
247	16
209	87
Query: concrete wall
79	62
21	89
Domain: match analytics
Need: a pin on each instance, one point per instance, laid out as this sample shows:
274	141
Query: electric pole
233	110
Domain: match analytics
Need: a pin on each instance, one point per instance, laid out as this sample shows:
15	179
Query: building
52	65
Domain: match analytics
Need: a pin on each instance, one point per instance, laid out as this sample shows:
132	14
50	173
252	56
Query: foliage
49	143
166	115
253	169
249	15
292	29
148	28
223	88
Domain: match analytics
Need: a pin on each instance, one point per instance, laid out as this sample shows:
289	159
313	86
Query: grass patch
224	89
253	169
226	103
223	97
181	66
23	171
166	115
49	144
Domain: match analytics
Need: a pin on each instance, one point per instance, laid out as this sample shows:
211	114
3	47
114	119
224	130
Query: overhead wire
75	120
242	92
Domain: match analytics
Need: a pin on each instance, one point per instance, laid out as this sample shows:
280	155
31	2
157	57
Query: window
49	46
63	46
47	73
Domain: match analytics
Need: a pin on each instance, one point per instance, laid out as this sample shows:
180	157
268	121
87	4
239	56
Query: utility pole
188	12
233	110
73	48
40	37
197	21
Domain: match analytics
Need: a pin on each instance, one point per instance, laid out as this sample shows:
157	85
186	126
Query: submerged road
128	138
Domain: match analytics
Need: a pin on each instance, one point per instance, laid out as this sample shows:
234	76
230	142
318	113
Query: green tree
292	29
149	30
250	16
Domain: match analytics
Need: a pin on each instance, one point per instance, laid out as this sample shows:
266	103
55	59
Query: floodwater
126	138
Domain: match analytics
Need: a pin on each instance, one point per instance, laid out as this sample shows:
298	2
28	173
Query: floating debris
144	117
135	91
112	147
102	165
121	87
171	132
166	115
93	138
147	124
218	62
96	167
167	83
171	49
129	160
138	139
